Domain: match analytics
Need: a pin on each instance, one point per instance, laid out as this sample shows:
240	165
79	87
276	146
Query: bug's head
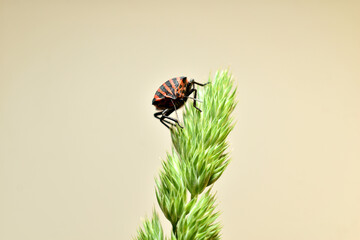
189	86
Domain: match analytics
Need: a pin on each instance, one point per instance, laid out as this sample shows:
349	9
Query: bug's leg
156	115
195	93
177	116
200	84
166	123
166	114
162	120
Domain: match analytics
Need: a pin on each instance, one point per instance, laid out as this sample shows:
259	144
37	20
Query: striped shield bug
171	96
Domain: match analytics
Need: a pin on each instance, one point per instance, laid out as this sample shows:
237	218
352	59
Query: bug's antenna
195	99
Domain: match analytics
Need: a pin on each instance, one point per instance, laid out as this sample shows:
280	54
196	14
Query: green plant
197	160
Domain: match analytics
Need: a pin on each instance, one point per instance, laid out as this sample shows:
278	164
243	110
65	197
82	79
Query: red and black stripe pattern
169	92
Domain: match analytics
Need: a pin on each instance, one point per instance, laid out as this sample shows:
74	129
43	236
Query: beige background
79	147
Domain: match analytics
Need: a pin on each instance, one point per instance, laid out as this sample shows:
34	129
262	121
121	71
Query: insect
172	95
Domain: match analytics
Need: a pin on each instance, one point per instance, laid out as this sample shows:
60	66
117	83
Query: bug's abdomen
163	103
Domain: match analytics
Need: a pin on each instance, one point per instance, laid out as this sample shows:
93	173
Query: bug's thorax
187	87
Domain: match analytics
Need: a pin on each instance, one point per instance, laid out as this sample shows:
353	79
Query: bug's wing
166	91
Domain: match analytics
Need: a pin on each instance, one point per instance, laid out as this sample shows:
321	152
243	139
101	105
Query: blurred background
79	146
